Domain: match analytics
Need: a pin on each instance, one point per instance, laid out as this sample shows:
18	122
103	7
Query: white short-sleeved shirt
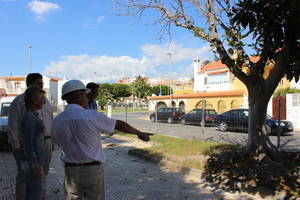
77	131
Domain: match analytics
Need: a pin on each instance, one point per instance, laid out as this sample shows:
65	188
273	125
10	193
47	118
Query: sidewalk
127	177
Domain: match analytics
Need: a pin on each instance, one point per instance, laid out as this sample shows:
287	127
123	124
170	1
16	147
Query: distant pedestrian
33	143
77	130
16	113
92	95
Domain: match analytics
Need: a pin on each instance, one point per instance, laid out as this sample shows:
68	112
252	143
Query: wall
216	103
53	92
293	110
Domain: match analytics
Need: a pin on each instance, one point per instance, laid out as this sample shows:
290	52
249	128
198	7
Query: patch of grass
186	152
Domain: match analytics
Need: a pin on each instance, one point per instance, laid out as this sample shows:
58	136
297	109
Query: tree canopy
236	30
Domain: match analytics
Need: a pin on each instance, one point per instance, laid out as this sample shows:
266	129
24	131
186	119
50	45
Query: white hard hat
73	85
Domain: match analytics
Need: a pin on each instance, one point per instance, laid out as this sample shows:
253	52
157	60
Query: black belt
47	137
82	164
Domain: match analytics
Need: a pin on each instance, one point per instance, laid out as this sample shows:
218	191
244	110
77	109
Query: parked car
237	119
195	117
4	110
169	115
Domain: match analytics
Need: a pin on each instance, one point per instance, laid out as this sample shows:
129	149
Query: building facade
214	87
15	85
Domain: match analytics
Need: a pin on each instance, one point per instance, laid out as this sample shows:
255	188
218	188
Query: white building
212	77
15	85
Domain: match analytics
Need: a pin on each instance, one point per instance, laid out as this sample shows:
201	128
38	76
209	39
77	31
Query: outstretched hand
144	136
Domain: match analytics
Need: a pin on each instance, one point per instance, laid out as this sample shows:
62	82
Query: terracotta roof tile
218	72
15	78
213	66
218	65
200	95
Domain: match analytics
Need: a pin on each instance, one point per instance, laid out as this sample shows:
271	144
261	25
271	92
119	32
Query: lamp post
160	82
170	55
29	47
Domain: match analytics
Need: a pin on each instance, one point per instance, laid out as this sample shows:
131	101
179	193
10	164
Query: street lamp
160	82
29	47
95	73
170	55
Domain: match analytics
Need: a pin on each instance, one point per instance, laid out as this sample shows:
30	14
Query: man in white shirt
77	130
16	112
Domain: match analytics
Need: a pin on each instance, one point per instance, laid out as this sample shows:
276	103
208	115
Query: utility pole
170	55
29	47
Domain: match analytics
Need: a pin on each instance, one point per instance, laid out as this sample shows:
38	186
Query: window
212	112
193	112
296	100
161	110
17	84
217	78
235	113
199	112
281	83
5	109
245	113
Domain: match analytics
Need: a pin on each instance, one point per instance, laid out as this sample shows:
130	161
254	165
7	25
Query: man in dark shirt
92	95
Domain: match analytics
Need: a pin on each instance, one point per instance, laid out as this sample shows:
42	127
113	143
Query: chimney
197	65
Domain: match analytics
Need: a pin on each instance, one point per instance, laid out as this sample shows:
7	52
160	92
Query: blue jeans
34	187
20	178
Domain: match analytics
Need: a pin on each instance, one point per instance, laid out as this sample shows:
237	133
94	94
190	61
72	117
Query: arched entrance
182	105
234	104
204	104
221	106
173	104
161	104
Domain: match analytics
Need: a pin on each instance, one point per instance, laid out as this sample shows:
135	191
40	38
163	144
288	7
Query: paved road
141	121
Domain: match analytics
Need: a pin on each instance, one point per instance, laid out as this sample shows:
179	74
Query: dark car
237	120
3	125
169	115
195	117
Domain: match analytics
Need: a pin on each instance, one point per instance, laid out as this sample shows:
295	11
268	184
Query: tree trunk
259	144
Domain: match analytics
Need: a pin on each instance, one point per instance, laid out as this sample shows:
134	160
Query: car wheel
223	126
152	119
182	121
170	120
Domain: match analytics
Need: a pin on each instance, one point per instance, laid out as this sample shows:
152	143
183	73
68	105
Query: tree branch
279	69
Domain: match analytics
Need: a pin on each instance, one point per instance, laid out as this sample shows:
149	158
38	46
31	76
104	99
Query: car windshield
178	110
5	109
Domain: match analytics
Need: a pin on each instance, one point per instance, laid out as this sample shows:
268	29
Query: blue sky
86	39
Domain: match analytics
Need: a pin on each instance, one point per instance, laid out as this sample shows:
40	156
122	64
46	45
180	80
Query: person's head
34	79
34	98
74	92
94	91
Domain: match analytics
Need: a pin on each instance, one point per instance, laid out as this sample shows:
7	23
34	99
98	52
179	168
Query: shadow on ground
231	169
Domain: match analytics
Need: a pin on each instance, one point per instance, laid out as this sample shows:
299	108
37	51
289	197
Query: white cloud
100	19
42	8
174	53
105	68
